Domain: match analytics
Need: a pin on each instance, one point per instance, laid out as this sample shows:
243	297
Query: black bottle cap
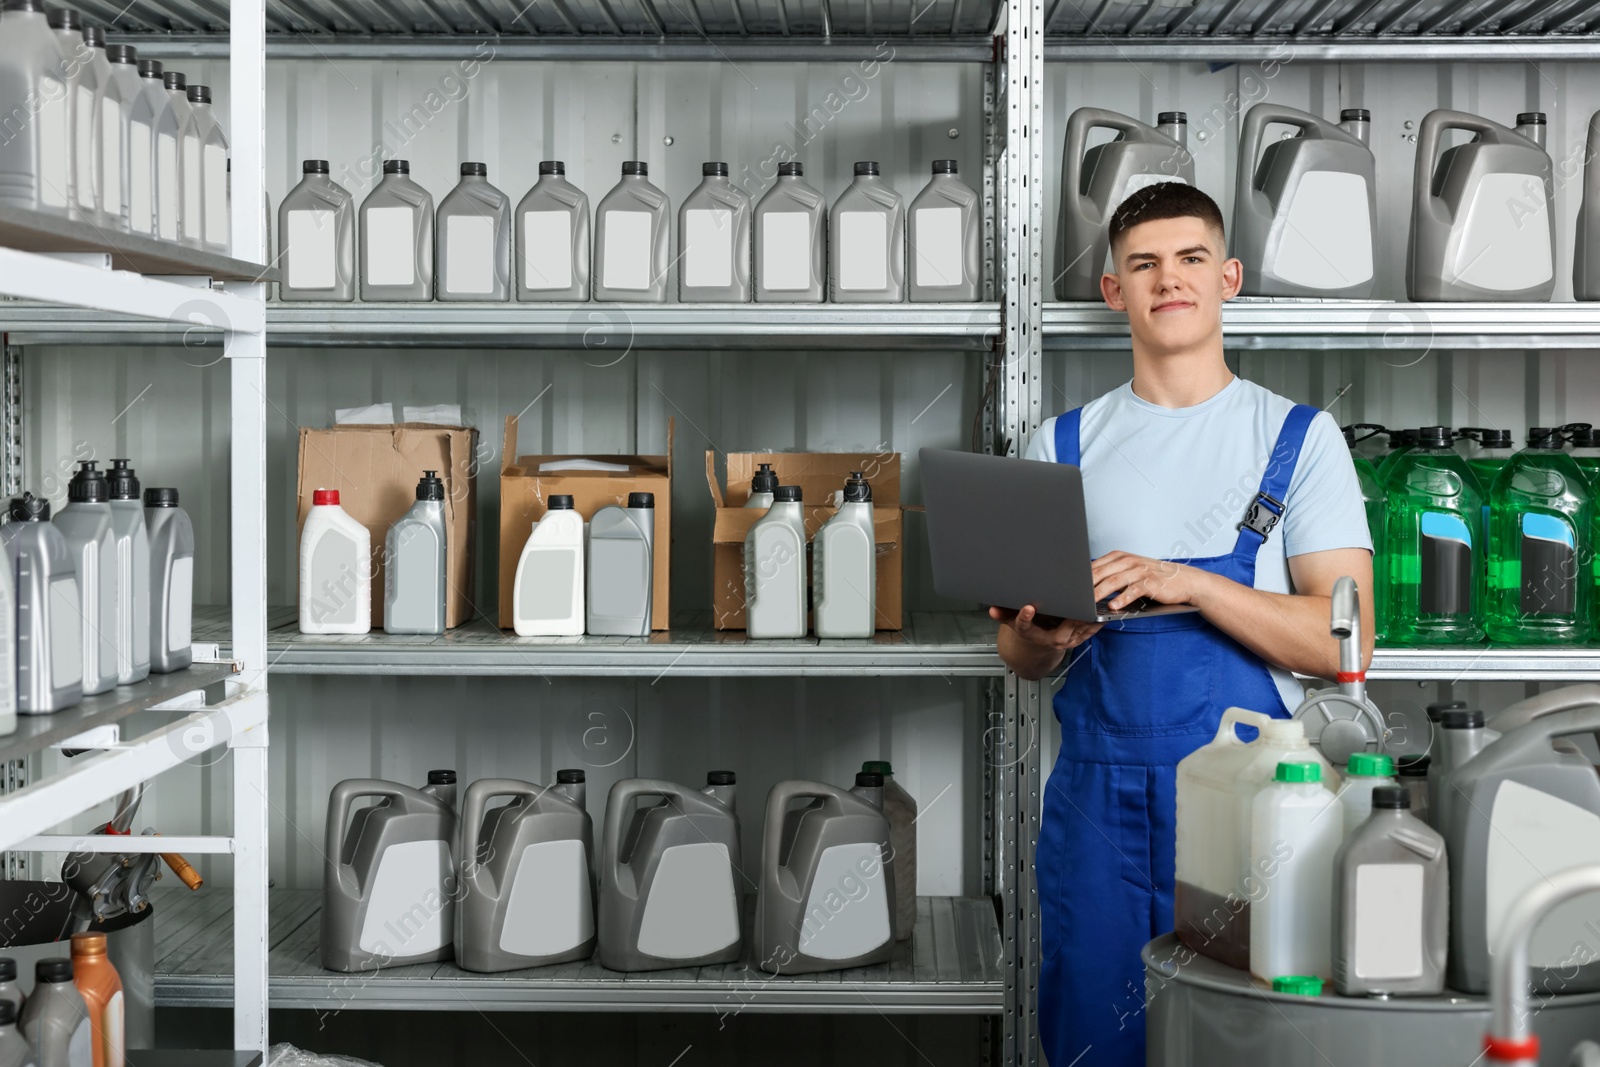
1435	437
867	167
636	166
174	79
1391	798
944	166
641	500
160	497
94	37
560	502
1585	438
88	486
36	6
122	53
199	94
790	170
1530	118
474	170
1172	118
441	777
430	487
765	480
1496	439
786	494
1435	710
570	778
29	508
869	778
54	969
714	170
397	166
858	493
552	166
1402	438
64	18
150	68
1414	766
1544	437
1355	114
721	778
1457	719
8	970
314	166
124	481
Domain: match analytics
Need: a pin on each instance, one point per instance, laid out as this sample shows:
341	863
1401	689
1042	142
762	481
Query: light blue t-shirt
1173	483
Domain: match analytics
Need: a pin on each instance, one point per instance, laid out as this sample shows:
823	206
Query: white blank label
216	195
785	250
111	156
66	646
83	125
310	249
180	603
391	246
549	909
140	196
863	250
1389	917
1327	232
936	245
847	910
469	254
1505	235
408	910
546	250
708	247
53	145
691	909
626	250
191	187
167	185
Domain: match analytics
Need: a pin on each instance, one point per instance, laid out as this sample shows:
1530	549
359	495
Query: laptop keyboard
1144	603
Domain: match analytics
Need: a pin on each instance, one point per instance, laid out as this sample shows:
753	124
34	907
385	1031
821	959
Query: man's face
1171	279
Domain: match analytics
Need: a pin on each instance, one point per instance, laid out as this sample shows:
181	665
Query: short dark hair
1166	200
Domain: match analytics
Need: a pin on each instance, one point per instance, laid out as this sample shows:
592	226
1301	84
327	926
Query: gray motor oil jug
553	238
171	581
49	630
210	225
10	991
187	216
123	61
132	541
1095	181
621	567
775	569
14	1048
791	241
473	255
667	875
1391	902
867	241
85	524
397	237
945	242
528	875
83	84
55	1021
714	240
316	238
826	898
631	239
1458	736
1481	226
35	160
388	878
414	558
844	565
1306	210
152	148
1522	810
900	808
1586	243
762	486
108	136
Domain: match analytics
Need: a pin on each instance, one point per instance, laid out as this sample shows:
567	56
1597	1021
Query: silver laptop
1008	532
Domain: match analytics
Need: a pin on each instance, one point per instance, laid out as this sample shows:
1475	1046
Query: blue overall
1137	697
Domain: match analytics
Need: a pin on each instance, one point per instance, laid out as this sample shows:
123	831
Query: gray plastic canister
621	568
85	525
109	136
171	581
473	253
714	241
152	146
55	1021
212	224
415	561
132	541
317	238
185	225
49	643
826	896
867	241
668	875
123	70
791	241
631	237
553	238
1586	242
35	163
944	241
397	237
844	565
528	875
388	889
775	569
14	1048
83	87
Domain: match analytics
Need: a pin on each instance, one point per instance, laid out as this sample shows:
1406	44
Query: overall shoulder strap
1067	449
1266	510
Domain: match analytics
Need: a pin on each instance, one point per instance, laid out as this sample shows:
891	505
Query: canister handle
344	795
1234	717
473	805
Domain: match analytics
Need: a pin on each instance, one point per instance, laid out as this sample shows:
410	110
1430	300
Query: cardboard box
524	490
376	470
819	475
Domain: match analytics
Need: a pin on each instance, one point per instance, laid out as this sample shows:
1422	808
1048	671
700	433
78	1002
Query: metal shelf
1352	324
37	231
1483	663
951	964
161	1057
931	643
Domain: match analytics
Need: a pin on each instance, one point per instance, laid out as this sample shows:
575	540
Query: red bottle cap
325	496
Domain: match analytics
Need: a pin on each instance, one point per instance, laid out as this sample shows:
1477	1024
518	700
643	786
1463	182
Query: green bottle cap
1371	765
877	766
1299	772
1300	985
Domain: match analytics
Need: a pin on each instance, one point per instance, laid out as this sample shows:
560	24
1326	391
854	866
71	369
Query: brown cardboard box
819	475
376	470
523	492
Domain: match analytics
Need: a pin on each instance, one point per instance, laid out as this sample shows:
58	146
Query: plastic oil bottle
621	567
396	227
845	567
1365	772
209	227
900	808
762	487
49	642
317	238
335	569
117	189
867	241
775	569
183	223
1400	442
1585	452
553	238
415	560
1586	243
14	1048
1540	518
171	581
1294	823
83	85
631	231
945	243
133	574
549	587
474	249
1434	542
55	1021
85	524
1460	735
108	133
151	119
1492	450
97	980
10	991
714	241
34	163
791	241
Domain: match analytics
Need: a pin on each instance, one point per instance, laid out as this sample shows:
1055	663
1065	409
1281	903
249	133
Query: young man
1201	489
